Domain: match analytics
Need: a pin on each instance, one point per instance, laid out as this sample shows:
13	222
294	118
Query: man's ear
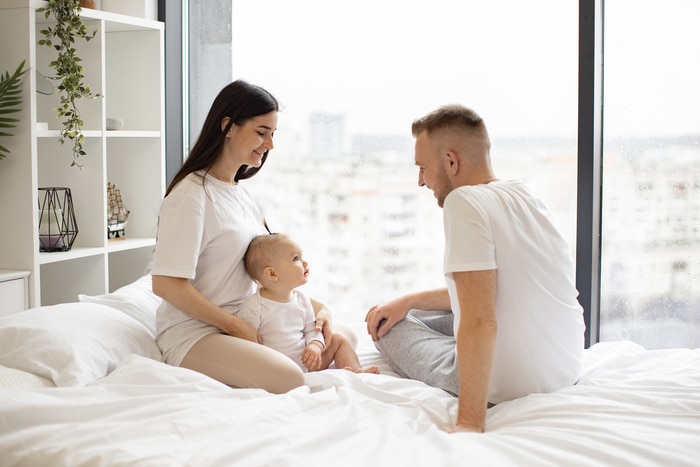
451	161
270	274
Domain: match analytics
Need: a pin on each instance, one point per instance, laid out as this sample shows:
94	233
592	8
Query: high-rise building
327	135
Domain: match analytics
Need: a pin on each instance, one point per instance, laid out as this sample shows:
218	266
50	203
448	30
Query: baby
284	316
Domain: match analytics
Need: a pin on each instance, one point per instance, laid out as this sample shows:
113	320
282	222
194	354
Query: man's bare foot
371	369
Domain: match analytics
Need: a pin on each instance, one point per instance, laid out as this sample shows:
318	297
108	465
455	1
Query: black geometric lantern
57	226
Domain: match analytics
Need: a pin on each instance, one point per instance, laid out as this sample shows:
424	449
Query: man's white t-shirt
203	234
540	338
286	327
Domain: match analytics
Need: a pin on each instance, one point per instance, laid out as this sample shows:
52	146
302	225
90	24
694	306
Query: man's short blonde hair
452	119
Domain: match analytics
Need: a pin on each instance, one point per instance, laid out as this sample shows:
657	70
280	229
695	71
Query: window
351	77
651	177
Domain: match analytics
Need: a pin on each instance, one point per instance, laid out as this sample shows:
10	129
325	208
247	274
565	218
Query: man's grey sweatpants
422	347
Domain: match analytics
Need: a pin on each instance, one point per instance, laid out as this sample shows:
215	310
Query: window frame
590	162
589	150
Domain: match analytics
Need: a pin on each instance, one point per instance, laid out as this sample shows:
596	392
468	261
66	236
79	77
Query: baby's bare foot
372	369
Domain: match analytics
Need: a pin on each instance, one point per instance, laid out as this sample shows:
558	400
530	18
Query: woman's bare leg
243	364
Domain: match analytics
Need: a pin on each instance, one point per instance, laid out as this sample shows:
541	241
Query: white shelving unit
124	63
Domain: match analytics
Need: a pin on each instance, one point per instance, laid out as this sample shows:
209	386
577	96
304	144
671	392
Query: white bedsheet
631	407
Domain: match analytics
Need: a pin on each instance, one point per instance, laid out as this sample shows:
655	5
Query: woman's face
249	141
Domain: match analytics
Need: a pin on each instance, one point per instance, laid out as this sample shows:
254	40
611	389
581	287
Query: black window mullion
590	143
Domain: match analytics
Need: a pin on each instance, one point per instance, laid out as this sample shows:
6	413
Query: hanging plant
69	72
10	99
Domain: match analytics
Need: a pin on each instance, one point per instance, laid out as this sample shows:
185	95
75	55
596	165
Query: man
508	323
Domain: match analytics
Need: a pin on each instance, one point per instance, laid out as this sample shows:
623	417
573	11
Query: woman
205	224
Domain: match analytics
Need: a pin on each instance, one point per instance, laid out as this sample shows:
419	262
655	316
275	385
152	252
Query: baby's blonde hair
260	252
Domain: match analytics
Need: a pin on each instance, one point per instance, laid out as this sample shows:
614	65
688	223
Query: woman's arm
324	320
181	294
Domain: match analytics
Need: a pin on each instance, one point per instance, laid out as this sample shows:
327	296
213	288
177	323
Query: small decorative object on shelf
114	123
117	215
57	225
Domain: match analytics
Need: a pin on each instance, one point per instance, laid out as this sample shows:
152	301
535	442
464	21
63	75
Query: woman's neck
224	177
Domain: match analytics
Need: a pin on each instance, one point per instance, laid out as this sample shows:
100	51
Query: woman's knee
284	376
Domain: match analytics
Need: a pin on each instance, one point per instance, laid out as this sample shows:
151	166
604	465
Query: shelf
114	22
131	134
106	133
129	244
48	257
57	134
124	63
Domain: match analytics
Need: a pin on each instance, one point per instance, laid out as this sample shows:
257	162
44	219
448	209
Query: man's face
431	168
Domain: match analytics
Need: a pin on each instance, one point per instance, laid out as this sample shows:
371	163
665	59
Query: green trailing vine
10	99
69	72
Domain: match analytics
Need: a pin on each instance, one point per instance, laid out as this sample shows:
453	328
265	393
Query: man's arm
476	339
397	309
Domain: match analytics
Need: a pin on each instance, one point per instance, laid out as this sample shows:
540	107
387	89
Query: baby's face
289	264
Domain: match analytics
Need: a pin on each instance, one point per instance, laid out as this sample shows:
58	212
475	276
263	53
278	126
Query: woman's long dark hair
240	101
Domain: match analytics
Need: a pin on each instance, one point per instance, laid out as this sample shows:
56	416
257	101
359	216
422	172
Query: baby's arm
250	312
315	344
310	332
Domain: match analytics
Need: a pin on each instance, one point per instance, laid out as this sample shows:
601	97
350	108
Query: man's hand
381	318
463	429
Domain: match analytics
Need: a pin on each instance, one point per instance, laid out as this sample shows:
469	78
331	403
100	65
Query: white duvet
632	407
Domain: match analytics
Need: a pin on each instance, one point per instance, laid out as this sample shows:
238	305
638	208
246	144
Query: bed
82	384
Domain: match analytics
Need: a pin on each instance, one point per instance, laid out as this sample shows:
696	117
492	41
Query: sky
382	63
652	67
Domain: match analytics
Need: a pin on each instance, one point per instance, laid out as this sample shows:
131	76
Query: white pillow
72	344
12	378
136	300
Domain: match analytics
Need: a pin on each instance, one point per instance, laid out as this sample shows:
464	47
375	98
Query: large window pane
651	179
352	76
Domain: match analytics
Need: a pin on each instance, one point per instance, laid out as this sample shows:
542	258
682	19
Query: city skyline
382	64
350	207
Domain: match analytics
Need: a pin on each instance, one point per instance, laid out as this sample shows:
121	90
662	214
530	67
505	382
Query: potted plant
10	100
61	36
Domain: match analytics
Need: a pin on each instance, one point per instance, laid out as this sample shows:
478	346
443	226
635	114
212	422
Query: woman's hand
180	293
324	324
236	327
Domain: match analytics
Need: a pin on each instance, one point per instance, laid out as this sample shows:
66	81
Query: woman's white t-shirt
203	233
502	226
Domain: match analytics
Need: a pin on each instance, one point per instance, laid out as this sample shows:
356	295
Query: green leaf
67	28
10	101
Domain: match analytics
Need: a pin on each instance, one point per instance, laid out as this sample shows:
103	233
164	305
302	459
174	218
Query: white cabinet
124	63
14	290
